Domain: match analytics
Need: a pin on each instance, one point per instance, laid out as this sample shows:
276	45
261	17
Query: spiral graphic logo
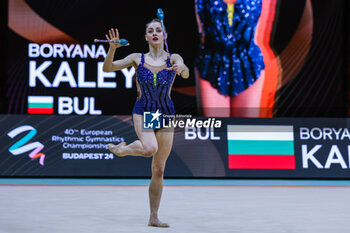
23	146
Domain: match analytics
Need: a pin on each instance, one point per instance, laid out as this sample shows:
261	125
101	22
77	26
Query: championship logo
23	145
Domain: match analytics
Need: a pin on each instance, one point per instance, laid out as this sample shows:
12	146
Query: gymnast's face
154	33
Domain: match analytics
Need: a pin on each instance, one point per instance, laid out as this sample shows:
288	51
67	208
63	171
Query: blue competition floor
175	182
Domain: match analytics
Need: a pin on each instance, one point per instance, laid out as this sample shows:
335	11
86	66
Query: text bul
202	133
68	105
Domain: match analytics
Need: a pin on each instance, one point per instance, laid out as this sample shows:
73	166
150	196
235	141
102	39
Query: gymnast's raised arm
109	65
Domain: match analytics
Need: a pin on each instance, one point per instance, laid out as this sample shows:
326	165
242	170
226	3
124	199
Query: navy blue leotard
154	83
229	58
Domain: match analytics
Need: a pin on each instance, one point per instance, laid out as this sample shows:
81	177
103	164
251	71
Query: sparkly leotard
155	83
229	59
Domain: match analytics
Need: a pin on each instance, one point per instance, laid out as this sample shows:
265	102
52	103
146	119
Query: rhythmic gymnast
155	72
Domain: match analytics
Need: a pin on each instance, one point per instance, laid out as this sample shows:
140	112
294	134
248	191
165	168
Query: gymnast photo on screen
155	74
229	64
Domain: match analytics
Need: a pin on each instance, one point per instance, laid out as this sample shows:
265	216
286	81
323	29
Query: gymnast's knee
158	170
149	150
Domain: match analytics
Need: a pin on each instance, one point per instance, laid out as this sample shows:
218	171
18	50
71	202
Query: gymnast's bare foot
117	149
157	223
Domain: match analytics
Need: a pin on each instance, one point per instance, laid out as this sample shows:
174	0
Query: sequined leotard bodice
229	58
154	83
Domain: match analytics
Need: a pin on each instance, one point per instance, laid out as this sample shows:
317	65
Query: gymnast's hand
114	35
178	68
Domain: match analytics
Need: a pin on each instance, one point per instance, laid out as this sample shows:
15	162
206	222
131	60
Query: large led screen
247	58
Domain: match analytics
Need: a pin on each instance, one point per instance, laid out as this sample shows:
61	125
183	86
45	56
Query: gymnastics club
160	15
121	41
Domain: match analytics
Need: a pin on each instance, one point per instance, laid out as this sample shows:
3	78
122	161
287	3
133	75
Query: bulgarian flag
40	104
260	147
